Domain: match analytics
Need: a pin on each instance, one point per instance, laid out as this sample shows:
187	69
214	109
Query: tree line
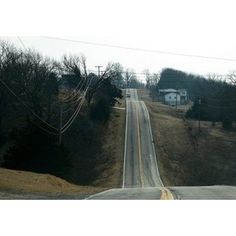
41	98
214	97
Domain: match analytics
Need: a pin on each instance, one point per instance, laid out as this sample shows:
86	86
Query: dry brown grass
171	141
187	157
111	167
29	182
112	150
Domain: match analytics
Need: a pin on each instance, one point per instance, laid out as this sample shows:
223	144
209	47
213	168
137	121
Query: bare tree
72	70
232	78
27	80
129	77
118	78
97	82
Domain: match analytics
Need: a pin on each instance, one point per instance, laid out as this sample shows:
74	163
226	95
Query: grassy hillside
108	169
22	182
187	157
111	165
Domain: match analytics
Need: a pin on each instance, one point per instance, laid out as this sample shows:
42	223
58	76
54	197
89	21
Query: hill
187	157
214	100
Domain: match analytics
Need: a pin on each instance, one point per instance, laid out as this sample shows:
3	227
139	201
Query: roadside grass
187	157
108	169
30	182
97	151
111	165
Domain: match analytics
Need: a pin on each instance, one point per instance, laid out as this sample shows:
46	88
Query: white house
172	99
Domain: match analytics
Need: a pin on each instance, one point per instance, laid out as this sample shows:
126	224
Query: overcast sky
204	28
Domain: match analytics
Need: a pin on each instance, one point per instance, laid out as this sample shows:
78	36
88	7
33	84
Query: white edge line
126	121
149	122
112	189
97	194
119	108
150	130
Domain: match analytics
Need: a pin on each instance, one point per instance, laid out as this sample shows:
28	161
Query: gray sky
189	27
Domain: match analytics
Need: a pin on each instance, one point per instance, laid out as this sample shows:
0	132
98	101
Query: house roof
170	93
170	90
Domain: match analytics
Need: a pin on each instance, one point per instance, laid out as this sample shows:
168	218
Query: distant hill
195	84
217	98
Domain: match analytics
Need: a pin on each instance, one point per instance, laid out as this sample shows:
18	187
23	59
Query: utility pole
98	70
199	122
176	100
60	126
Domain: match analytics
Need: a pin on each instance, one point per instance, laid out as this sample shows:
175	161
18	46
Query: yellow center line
139	149
166	194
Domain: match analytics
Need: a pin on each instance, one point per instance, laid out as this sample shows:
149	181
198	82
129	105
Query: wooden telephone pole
98	70
60	126
199	121
176	102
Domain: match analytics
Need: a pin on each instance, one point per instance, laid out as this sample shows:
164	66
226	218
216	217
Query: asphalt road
216	192
141	179
149	193
177	193
140	165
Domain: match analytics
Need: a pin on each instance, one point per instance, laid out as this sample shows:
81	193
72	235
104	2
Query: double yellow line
139	150
165	193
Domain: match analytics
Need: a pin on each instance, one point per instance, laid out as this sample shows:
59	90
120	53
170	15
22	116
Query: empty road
141	178
140	165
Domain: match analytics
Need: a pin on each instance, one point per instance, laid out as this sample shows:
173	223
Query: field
187	157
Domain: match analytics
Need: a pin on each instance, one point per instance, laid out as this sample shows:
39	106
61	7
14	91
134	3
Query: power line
72	105
71	96
26	106
73	117
142	49
139	49
123	72
136	73
45	130
76	94
151	74
75	114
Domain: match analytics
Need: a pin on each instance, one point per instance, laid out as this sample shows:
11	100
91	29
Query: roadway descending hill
141	178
